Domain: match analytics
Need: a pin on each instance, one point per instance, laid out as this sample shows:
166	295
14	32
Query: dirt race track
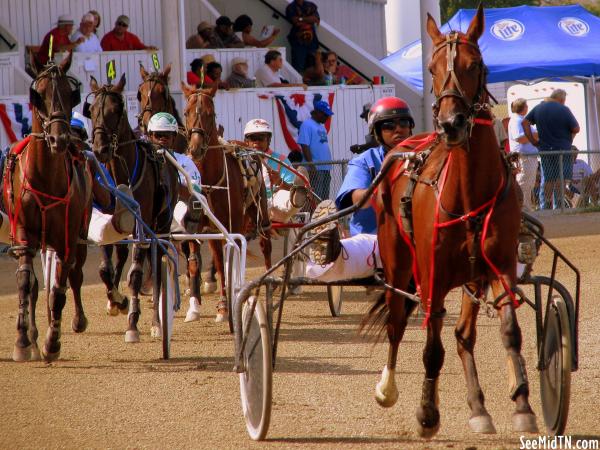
104	393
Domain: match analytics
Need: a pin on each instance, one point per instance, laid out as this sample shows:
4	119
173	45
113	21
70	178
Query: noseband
201	130
100	128
56	116
474	106
155	79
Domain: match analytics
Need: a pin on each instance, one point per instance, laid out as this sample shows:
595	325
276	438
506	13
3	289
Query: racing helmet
78	125
162	121
257	126
388	108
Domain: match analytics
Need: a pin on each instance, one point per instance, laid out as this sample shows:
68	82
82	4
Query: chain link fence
559	180
326	177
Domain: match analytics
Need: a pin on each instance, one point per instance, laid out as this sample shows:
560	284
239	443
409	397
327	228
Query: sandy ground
104	393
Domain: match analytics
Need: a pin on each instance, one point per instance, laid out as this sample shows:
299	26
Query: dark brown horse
465	216
47	194
152	180
223	182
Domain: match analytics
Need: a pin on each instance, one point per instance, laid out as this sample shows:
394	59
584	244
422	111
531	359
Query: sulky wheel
334	297
555	377
166	304
229	288
256	382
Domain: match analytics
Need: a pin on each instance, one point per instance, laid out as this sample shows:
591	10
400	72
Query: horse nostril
52	140
459	120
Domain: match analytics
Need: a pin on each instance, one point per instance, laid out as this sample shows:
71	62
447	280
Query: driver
390	122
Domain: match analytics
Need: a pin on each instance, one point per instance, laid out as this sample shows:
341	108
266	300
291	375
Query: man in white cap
91	43
239	74
119	39
60	39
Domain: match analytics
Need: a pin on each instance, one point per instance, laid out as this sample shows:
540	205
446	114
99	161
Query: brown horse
465	216
152	181
223	182
47	194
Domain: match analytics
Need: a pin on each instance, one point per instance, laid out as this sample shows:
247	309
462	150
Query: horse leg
136	274
33	330
466	334
210	286
428	414
57	300
26	283
216	248
266	248
194	267
121	299
523	419
79	322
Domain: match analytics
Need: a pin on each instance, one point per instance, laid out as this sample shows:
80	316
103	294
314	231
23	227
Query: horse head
200	120
53	94
108	115
459	77
153	95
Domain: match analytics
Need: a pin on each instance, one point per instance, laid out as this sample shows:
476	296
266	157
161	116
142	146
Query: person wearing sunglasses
119	39
286	191
390	121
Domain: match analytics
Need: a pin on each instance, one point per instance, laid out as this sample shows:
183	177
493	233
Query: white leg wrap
386	391
193	312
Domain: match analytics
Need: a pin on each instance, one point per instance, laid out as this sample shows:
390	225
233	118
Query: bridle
473	105
56	116
99	125
154	78
200	129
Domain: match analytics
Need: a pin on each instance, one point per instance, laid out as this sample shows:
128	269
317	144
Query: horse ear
34	63
120	85
476	27
433	30
93	84
187	91
143	72
167	70
65	64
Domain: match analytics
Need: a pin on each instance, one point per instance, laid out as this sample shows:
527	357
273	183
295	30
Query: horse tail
374	323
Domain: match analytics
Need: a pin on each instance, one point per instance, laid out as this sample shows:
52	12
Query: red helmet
387	108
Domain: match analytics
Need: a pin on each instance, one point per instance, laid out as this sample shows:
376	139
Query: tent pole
597	127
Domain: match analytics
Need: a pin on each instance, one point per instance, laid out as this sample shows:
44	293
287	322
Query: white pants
178	215
526	179
280	207
4	229
102	231
355	261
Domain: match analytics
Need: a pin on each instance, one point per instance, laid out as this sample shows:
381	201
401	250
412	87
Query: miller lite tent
521	43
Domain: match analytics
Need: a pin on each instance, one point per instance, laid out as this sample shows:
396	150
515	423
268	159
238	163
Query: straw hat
239	60
65	19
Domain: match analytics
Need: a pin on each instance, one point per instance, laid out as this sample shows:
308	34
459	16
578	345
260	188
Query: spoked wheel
229	288
256	382
166	304
334	297
556	357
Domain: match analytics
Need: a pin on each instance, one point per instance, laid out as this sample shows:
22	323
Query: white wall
402	23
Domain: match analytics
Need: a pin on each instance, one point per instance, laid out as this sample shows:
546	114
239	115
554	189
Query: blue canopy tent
526	43
521	43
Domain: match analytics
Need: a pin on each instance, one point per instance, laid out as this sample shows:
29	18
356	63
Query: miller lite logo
574	26
507	30
414	51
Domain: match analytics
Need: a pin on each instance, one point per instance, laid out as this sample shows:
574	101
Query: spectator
520	143
194	76
224	35
91	42
269	75
313	140
341	73
556	127
97	19
214	70
304	17
239	74
203	38
243	29
119	39
60	41
314	73
499	131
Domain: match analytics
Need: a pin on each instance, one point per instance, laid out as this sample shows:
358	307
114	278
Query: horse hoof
21	354
524	423
482	424
427	433
155	331
192	316
209	287
112	309
35	353
50	356
222	316
124	306
386	392
79	324
132	336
